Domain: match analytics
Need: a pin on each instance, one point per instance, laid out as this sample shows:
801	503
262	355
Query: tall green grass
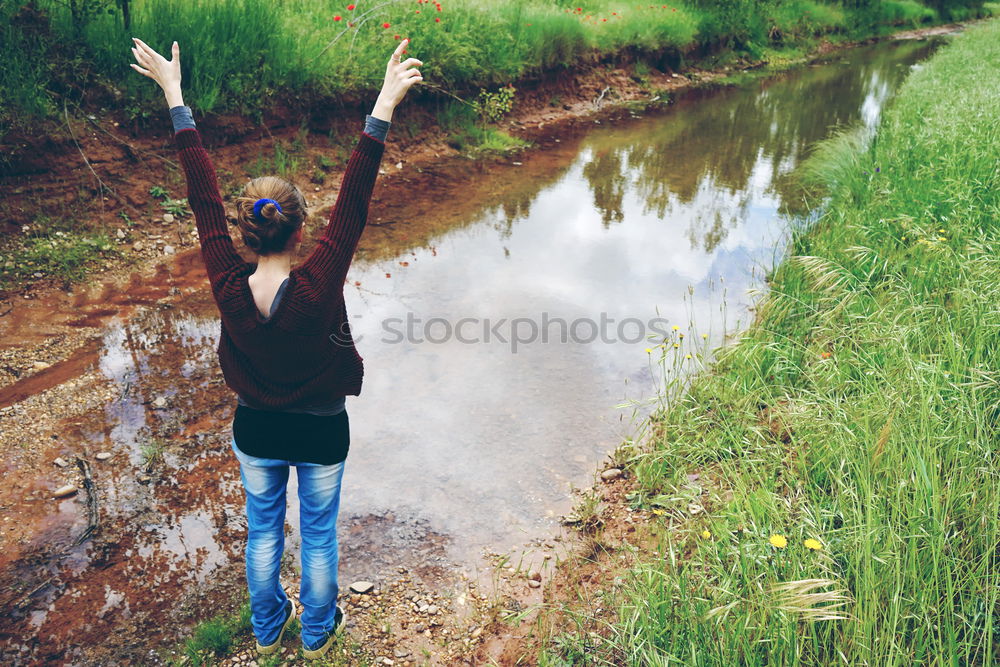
861	410
254	55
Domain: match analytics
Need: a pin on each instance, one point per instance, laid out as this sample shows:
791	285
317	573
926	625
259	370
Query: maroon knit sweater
303	355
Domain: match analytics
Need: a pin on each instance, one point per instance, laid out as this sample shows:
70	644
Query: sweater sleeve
328	264
209	212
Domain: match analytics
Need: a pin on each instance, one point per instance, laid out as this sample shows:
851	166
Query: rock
137	246
37	274
388	661
534	584
168	250
120	233
159	402
419	627
102	456
476	633
61	462
64	491
168	217
611	474
423	608
432	609
399	165
362	587
536	576
144	479
400	653
40	365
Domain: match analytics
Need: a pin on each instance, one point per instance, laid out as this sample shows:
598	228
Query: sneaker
324	644
271	648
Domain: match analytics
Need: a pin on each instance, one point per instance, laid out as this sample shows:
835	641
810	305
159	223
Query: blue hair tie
259	204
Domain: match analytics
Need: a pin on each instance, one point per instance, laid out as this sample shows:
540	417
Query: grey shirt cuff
182	119
376	127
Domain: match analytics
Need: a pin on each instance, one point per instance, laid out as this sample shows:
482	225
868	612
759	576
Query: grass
860	411
64	255
234	62
213	638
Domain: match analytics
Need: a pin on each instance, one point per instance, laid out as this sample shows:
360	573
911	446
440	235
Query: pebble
168	217
159	402
137	246
102	456
40	365
168	250
64	491
432	609
61	462
536	576
401	653
419	627
144	479
362	587
120	233
611	474
534	584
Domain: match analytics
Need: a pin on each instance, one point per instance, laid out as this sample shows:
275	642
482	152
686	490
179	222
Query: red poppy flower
336	18
388	275
350	8
395	36
437	20
385	25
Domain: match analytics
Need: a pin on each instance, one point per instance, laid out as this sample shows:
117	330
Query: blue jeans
264	481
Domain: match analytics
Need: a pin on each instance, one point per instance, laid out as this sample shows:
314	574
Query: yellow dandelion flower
705	534
687	356
941	238
815	545
676	328
942	231
649	350
658	512
676	345
778	541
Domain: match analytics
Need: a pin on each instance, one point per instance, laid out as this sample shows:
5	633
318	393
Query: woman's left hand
167	73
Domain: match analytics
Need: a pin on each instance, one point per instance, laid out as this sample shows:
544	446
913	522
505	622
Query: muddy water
504	312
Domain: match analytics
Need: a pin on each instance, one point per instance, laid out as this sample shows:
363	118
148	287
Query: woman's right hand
399	77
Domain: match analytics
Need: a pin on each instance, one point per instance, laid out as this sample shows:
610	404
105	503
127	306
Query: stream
504	316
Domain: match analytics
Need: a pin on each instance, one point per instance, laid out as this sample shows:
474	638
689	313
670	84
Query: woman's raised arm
328	264
217	247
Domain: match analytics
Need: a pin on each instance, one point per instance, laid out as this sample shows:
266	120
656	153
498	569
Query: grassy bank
847	508
248	56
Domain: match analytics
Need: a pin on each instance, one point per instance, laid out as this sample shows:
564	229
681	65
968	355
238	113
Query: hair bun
264	209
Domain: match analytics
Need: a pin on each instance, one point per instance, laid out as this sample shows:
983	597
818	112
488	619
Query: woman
286	350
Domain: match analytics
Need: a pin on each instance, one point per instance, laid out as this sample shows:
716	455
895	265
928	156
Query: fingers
175	51
144	72
410	62
399	48
145	48
140	57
